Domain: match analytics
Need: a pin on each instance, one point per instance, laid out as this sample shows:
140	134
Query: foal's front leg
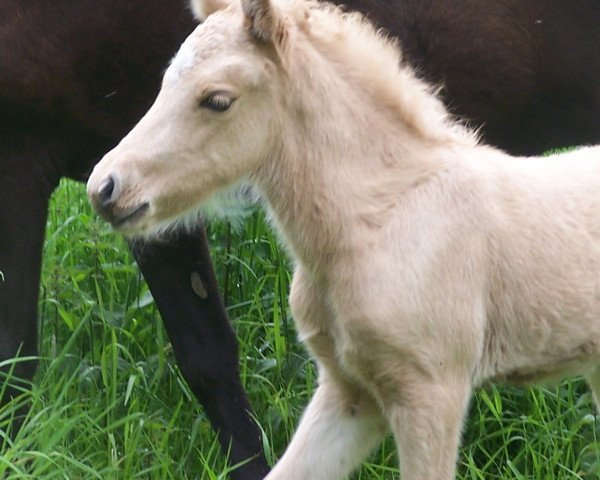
342	422
427	429
337	430
424	387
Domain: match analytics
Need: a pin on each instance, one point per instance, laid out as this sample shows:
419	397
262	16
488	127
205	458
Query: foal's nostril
106	192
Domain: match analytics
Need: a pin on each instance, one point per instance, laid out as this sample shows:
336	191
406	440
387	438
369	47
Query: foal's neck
339	179
353	149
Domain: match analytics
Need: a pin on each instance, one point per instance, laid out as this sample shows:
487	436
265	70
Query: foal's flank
426	264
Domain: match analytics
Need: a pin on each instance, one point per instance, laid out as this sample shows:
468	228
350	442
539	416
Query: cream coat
425	264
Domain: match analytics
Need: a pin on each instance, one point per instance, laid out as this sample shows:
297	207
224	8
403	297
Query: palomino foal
425	264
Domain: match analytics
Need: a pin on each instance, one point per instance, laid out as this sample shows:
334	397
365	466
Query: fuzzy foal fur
426	264
68	95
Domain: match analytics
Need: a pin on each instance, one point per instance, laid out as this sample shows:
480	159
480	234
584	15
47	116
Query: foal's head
213	122
245	86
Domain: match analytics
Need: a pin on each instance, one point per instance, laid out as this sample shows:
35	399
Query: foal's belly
547	368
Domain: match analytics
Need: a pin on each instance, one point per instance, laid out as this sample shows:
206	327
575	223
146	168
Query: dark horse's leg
182	280
204	344
26	182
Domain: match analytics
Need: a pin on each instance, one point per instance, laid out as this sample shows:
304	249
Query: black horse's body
76	75
74	78
526	72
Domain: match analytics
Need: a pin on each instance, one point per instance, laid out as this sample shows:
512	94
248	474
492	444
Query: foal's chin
152	224
232	203
137	221
130	218
134	227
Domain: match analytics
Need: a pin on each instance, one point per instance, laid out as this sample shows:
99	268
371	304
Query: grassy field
109	402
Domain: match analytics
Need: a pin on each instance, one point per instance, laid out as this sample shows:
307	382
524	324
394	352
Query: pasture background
109	403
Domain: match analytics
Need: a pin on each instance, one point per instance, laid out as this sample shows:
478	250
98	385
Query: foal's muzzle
105	198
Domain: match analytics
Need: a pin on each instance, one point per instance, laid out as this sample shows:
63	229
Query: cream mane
376	60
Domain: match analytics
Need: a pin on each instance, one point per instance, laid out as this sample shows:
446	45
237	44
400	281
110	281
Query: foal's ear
265	20
203	8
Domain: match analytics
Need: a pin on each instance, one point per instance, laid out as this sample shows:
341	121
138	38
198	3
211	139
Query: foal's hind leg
342	422
181	278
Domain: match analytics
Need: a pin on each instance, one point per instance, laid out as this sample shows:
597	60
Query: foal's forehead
213	37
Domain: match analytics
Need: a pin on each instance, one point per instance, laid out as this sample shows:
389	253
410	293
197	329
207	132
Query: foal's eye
217	102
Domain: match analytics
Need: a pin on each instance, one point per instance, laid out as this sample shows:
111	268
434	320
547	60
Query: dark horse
76	75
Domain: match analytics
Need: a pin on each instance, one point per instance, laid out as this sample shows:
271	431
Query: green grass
109	403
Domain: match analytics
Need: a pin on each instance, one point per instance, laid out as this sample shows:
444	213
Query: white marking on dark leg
198	286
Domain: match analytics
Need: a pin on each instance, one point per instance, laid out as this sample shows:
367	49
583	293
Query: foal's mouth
128	218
